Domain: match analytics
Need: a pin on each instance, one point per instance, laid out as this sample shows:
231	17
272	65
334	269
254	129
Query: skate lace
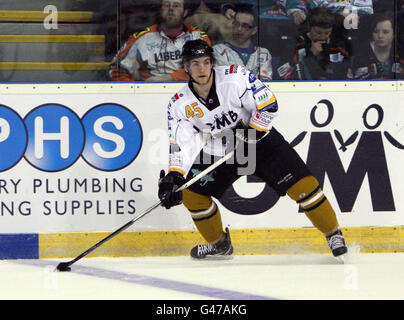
336	241
205	248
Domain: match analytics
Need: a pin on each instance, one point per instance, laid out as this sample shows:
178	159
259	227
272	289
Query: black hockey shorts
276	163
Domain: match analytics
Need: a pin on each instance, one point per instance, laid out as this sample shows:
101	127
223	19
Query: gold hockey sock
308	194
205	214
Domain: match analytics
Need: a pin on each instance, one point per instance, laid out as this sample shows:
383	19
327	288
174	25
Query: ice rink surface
281	277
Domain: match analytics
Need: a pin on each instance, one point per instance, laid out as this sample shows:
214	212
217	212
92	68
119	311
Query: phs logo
52	137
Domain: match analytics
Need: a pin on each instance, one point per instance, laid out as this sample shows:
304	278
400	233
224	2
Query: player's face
200	69
172	13
383	34
243	27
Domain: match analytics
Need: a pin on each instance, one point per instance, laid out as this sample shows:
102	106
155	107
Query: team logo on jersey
223	120
205	179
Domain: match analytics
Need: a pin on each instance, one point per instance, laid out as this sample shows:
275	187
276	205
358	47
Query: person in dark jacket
320	54
378	60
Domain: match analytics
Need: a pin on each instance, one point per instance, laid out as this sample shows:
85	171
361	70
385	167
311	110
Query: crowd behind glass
276	39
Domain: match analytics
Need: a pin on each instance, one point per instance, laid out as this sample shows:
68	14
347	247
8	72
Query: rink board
179	243
245	242
350	133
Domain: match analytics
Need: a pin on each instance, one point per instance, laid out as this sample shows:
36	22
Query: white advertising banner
90	162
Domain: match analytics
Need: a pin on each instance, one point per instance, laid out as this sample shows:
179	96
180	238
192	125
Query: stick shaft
124	227
206	171
127	225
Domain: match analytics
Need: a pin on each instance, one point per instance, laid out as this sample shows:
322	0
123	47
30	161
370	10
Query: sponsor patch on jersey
252	78
169	116
232	69
262	121
264	98
175	160
272	106
176	97
256	90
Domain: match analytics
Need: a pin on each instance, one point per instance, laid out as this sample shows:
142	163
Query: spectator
136	16
283	10
294	10
155	53
378	59
319	53
213	17
278	26
344	7
240	50
353	16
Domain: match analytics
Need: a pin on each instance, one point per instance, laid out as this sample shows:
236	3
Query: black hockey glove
167	186
247	134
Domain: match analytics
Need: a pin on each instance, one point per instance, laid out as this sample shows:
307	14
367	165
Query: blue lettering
52	137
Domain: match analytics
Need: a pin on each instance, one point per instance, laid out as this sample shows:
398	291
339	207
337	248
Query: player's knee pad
200	206
307	193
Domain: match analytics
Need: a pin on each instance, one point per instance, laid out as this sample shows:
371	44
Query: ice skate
336	242
222	249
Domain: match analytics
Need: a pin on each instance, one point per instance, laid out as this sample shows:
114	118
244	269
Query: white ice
305	276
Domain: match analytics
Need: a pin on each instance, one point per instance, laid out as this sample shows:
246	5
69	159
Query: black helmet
195	49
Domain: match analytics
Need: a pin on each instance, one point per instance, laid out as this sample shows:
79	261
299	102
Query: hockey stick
65	266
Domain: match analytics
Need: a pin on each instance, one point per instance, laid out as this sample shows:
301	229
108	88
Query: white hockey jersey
236	95
259	63
152	53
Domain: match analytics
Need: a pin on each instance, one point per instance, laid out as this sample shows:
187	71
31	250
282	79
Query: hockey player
230	98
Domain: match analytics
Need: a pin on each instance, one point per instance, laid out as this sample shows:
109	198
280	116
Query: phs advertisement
83	162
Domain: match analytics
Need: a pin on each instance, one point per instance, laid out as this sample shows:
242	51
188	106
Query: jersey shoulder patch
177	96
139	34
231	69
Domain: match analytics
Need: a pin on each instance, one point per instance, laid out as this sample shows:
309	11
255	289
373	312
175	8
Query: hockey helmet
195	49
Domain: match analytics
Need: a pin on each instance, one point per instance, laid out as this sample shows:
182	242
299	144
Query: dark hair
248	9
377	18
321	17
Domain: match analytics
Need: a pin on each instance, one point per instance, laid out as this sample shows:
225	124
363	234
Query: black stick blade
63	266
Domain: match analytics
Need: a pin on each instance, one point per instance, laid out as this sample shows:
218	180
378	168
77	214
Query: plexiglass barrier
141	40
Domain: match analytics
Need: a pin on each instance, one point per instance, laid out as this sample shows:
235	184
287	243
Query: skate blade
341	258
220	257
215	258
